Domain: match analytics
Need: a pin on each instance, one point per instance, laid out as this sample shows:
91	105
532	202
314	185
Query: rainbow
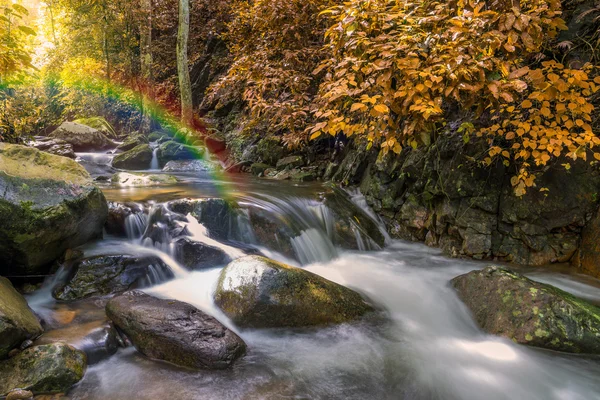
161	115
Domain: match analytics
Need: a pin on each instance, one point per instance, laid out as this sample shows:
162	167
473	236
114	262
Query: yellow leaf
382	108
526	104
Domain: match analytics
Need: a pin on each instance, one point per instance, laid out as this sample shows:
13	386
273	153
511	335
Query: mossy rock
290	162
103	275
259	169
138	158
258	292
48	204
171	150
508	304
17	321
131	142
174	331
140	179
99	124
51	368
82	137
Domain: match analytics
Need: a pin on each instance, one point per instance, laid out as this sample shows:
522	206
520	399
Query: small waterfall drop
154	162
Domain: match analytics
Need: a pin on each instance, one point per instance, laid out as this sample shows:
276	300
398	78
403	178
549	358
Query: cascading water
425	347
154	163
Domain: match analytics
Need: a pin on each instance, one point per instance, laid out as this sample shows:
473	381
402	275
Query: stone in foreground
257	292
137	158
51	368
17	322
173	331
508	304
48	204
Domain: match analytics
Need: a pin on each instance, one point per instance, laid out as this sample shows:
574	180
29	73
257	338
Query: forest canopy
385	74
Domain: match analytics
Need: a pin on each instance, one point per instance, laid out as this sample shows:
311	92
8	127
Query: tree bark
146	64
185	87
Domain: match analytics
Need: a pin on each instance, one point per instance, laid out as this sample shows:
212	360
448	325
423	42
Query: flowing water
426	347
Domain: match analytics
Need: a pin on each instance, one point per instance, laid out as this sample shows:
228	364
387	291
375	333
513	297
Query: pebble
19	394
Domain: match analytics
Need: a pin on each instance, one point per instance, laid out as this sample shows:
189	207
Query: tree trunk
185	87
146	64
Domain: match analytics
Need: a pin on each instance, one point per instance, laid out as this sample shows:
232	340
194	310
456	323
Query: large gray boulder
51	368
174	331
82	137
103	275
54	146
138	158
48	204
257	292
508	304
17	321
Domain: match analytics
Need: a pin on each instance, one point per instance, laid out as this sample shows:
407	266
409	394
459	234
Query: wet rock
103	275
117	217
174	331
97	339
138	158
258	169
82	137
290	162
257	292
171	150
587	258
17	321
508	304
19	394
157	136
132	142
140	179
271	232
190	166
303	176
100	124
54	146
217	215
196	255
350	219
214	144
48	368
48	204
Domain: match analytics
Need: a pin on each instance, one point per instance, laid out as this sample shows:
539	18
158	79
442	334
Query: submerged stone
173	331
258	292
508	304
51	368
17	321
103	275
47	205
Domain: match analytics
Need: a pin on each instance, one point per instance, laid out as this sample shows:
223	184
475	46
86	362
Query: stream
426	347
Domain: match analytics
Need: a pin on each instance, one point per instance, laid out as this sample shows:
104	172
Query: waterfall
154	162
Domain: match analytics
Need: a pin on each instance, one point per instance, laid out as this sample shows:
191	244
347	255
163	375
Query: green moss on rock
137	158
257	292
508	304
51	368
17	321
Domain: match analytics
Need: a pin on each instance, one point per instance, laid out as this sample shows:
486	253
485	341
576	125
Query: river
426	346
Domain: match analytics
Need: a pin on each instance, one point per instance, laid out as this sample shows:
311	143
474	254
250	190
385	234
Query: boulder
17	321
173	331
54	146
131	142
257	292
258	169
137	158
103	275
303	176
82	137
508	304
290	162
47	205
190	166
118	213
97	339
217	215
197	255
51	368
100	124
158	136
128	179
171	150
